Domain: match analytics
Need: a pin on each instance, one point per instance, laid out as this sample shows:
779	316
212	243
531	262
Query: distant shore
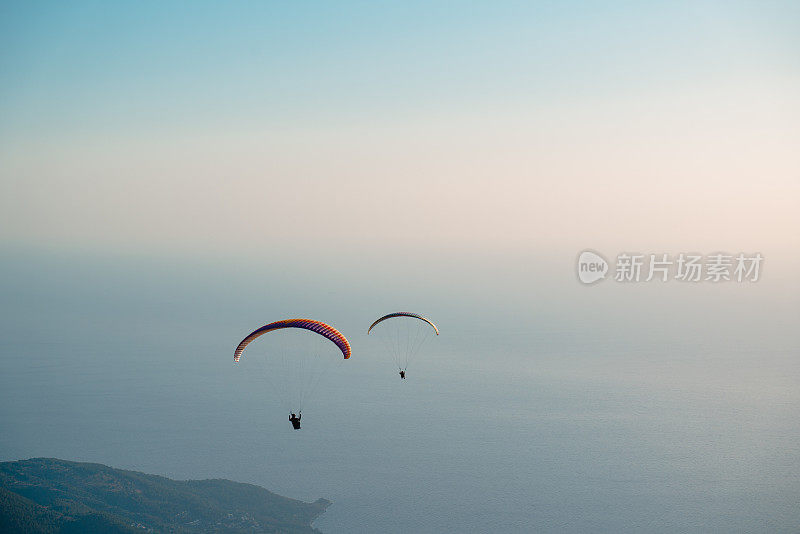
50	495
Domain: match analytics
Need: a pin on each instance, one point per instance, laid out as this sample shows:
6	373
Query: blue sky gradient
98	67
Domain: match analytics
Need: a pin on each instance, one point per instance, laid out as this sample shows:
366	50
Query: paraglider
404	333
298	354
295	420
314	326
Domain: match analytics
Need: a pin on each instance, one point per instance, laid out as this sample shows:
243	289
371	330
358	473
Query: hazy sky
242	126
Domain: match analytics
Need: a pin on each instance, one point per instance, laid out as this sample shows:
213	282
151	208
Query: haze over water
512	420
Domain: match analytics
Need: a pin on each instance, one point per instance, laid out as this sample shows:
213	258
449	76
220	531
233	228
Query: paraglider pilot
402	374
295	420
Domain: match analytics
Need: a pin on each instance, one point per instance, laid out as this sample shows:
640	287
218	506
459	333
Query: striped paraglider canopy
318	327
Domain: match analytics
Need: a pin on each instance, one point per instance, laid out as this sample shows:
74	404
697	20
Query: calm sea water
498	429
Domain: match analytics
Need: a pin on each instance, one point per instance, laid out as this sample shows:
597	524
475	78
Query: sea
543	406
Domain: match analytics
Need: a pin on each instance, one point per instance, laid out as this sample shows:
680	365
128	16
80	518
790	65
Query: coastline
43	494
325	503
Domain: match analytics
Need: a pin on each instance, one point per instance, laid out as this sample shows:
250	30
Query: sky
422	155
216	129
430	155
